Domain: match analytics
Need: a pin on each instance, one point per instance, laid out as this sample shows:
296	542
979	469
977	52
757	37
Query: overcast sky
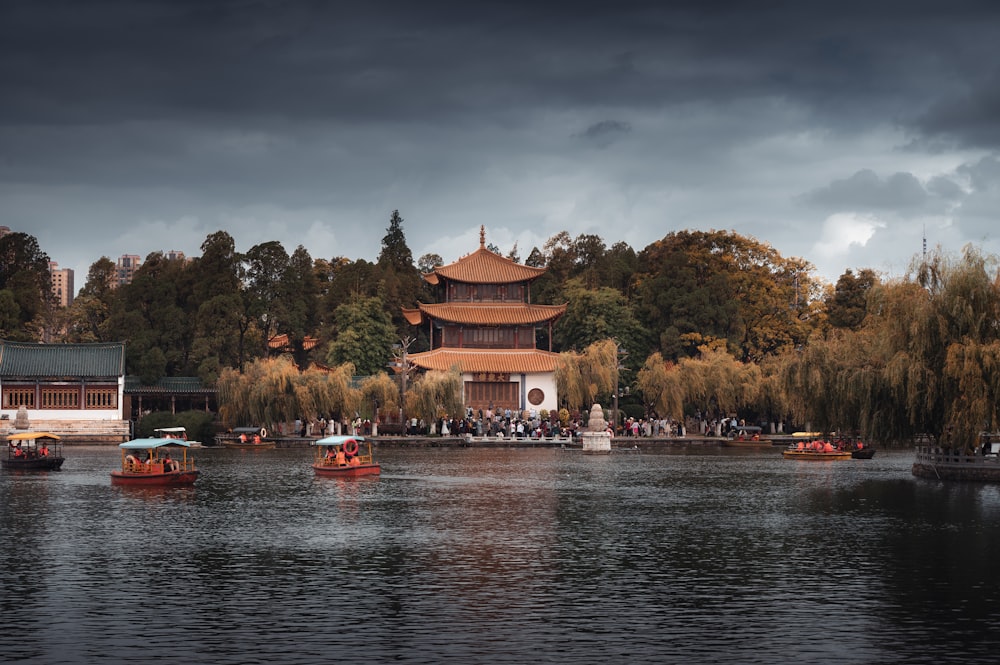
839	132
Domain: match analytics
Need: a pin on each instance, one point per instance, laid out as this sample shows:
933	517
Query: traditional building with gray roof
69	389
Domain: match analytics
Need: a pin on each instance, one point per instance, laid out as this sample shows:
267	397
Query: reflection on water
686	555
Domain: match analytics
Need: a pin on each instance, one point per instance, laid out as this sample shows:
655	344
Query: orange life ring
351	447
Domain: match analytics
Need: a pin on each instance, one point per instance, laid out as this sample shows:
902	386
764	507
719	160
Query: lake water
686	555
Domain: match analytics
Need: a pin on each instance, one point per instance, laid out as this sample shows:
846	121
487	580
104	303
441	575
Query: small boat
746	436
175	433
147	463
816	454
342	456
246	438
863	453
33	451
815	450
858	449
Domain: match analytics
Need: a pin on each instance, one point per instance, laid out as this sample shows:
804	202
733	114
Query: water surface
699	555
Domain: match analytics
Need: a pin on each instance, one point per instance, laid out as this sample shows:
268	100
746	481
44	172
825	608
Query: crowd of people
502	423
505	423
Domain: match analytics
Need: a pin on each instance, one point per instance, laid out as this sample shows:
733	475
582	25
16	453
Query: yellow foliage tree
582	377
273	390
436	395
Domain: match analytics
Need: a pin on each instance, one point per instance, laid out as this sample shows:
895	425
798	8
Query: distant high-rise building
127	265
175	255
62	284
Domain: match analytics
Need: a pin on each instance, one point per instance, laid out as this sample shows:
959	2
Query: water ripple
506	556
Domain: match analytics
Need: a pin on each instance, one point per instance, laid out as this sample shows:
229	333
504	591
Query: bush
197	423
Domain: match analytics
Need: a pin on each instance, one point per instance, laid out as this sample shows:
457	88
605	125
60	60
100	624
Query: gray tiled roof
166	385
27	360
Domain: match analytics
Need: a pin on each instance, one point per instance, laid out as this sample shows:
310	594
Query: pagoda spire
482	236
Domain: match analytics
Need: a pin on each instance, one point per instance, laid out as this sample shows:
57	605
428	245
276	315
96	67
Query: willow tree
943	369
662	386
583	377
436	394
716	382
926	360
829	384
272	391
327	392
380	390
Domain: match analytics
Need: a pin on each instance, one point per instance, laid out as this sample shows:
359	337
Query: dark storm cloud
319	61
969	119
604	132
316	119
865	190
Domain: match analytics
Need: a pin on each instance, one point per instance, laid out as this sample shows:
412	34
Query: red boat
147	463
341	456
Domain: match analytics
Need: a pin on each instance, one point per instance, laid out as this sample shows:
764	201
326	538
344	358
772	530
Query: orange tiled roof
412	316
281	342
484	267
485	314
514	361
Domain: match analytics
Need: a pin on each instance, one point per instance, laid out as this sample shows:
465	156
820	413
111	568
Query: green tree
617	267
24	273
429	262
298	302
847	306
90	311
217	307
264	267
696	287
217	270
150	314
365	335
400	283
10	315
395	253
597	314
348	279
589	250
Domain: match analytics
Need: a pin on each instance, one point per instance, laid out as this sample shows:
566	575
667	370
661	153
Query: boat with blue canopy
149	462
342	456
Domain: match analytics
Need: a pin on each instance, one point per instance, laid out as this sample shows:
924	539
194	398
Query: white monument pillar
597	439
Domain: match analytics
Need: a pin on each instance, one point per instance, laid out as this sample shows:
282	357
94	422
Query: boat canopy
145	444
25	436
338	440
171	430
249	430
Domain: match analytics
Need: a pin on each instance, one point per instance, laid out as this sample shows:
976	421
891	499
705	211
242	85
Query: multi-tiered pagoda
486	325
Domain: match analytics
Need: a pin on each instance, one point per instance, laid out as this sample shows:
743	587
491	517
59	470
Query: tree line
708	322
